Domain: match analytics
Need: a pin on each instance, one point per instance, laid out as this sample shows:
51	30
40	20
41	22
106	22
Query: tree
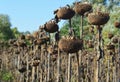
109	27
75	25
15	32
5	30
26	32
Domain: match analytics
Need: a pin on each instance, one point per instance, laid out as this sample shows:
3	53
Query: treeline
6	32
110	6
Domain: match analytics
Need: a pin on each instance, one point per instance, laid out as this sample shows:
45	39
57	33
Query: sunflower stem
69	68
78	66
48	67
81	32
58	67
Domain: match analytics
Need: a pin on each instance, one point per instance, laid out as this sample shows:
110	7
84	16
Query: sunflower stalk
27	68
81	31
69	68
78	66
58	67
48	67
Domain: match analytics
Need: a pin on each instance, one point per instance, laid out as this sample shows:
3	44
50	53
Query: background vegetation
111	6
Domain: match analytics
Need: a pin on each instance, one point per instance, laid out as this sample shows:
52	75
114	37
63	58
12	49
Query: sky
28	15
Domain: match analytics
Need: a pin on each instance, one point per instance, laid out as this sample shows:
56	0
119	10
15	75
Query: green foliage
109	27
27	32
5	30
5	76
75	25
96	1
114	11
15	32
64	30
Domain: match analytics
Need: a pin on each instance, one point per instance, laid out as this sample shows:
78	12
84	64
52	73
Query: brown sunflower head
70	44
117	24
51	26
64	13
98	18
82	8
